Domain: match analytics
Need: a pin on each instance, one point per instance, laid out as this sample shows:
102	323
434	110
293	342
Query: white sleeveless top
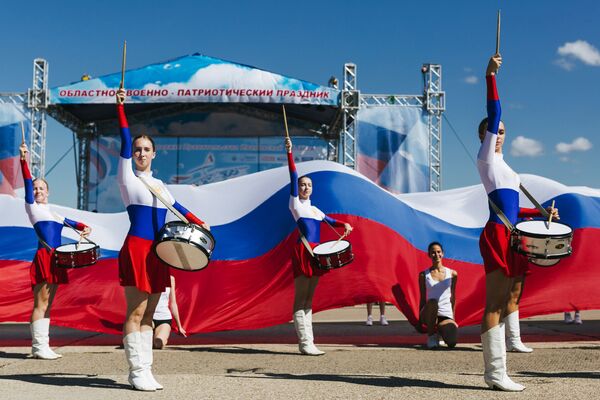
440	291
162	311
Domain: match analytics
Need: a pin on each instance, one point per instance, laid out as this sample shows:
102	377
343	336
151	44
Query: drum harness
48	247
305	242
503	217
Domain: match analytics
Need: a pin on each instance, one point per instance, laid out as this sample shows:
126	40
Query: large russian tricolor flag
249	283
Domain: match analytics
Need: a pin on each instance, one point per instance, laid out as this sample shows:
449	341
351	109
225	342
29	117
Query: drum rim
544	236
202	249
349	248
558	260
195	226
83	251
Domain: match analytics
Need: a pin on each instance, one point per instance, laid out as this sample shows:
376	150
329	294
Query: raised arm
27	179
494	112
124	172
292	168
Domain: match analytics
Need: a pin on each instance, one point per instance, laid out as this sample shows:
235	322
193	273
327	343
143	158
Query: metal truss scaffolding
37	102
341	135
34	103
432	100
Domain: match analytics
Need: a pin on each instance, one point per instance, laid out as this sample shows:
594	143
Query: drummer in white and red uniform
45	275
502	264
142	274
306	274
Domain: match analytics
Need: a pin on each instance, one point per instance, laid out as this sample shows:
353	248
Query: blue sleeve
125	135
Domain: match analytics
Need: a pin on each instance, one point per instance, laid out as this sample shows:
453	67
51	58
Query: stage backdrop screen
393	147
193	161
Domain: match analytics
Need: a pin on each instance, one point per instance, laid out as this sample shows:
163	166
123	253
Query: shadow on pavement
67	380
232	350
16	356
381	381
566	375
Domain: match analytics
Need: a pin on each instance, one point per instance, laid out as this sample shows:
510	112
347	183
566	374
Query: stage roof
194	81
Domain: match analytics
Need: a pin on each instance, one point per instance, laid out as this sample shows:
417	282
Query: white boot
40	338
133	352
312	349
513	334
494	359
146	356
300	325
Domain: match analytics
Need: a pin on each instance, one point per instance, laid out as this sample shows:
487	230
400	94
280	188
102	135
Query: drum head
181	255
332	246
541	262
539	228
75	248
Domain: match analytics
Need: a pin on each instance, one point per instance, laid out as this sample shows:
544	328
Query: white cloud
471	79
579	144
564	64
525	147
564	159
582	51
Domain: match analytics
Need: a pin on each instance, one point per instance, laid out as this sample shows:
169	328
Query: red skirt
44	269
303	263
140	267
494	244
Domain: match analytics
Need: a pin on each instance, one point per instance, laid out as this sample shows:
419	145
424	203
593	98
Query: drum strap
501	215
305	242
537	205
163	200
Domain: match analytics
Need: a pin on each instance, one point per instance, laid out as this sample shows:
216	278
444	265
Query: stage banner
11	118
197	79
393	147
193	161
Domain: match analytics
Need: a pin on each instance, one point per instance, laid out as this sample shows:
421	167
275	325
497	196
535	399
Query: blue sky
548	84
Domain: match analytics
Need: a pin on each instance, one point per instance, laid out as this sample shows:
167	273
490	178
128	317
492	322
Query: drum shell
177	233
544	250
76	259
336	259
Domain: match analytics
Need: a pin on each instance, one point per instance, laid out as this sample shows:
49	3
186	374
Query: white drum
545	244
333	254
184	246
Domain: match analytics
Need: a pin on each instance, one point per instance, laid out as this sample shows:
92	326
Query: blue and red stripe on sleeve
74	224
293	175
493	104
27	182
188	214
529	213
125	135
334	222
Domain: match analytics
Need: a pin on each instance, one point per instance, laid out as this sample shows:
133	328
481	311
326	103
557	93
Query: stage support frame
37	103
433	101
341	148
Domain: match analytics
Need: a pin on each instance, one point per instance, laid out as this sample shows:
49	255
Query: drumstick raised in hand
550	216
498	34
287	134
122	84
22	133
